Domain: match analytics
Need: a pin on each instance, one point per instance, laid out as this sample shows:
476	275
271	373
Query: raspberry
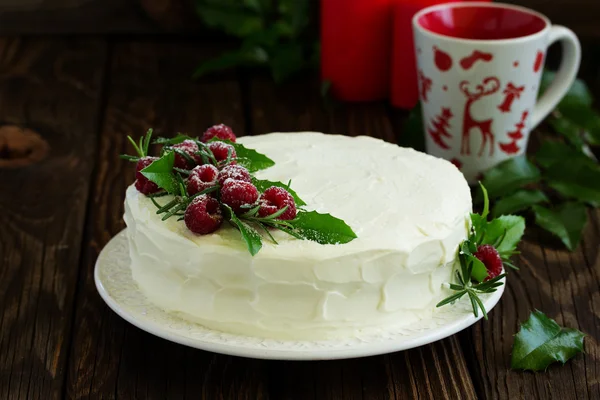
235	172
203	215
202	177
221	131
488	255
238	193
190	148
273	200
142	183
220	150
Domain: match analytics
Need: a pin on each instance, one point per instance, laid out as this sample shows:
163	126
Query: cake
409	211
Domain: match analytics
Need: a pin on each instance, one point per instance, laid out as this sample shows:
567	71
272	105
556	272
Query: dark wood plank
52	88
436	371
566	287
150	86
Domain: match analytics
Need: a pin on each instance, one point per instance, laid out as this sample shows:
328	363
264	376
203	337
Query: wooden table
58	338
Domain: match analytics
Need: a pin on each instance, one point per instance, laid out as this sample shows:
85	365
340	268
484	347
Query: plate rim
368	349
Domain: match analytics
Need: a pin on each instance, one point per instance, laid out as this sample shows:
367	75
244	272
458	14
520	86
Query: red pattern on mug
539	59
440	127
457	163
511	93
516	135
469	122
442	60
467	62
424	86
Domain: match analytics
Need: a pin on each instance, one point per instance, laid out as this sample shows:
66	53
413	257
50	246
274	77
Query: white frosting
409	210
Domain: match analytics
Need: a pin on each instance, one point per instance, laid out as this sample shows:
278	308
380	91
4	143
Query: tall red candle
404	92
356	37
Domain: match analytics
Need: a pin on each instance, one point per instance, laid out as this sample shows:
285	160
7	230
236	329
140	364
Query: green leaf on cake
504	233
566	221
510	175
518	201
251	159
322	228
250	236
172	141
479	272
161	173
263	184
541	342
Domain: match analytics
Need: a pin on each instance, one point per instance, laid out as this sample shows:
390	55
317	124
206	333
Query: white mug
479	67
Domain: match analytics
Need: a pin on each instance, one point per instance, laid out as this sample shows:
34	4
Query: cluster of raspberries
203	215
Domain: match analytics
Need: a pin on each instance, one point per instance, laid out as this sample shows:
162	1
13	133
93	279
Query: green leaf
518	201
250	158
263	184
508	227
412	131
541	342
171	141
230	18
322	228
566	221
479	272
570	130
286	60
584	117
576	179
250	236
161	173
578	93
510	175
554	152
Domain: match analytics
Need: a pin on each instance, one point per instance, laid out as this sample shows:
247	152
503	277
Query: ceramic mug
479	66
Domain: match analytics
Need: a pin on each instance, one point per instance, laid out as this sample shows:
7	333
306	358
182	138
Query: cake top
391	197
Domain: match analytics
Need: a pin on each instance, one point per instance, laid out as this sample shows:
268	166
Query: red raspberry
221	131
273	200
203	215
202	177
488	255
235	172
238	193
190	148
220	150
142	184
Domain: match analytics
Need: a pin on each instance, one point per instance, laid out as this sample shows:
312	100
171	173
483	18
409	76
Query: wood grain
149	86
53	89
565	286
432	372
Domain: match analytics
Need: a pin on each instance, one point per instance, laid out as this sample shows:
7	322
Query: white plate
116	286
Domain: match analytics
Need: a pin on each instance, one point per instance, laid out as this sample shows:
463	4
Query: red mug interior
481	22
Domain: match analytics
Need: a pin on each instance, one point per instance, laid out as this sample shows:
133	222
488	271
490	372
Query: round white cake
409	210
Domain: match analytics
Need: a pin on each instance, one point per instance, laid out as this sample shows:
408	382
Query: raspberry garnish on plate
220	131
235	172
201	178
274	199
489	256
237	194
203	215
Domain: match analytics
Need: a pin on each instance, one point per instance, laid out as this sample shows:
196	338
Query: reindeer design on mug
490	85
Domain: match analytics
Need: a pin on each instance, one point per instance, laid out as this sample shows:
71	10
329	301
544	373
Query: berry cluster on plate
209	180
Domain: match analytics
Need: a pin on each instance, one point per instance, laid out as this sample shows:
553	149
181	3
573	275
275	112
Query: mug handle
565	76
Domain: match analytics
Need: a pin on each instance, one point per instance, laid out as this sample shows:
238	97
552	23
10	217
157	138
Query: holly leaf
250	158
578	179
479	272
286	60
566	221
172	141
322	228
252	239
553	152
412	131
518	201
541	342
161	173
510	175
263	184
578	93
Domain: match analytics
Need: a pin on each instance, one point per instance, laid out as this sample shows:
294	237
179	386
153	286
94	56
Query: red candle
404	92
356	37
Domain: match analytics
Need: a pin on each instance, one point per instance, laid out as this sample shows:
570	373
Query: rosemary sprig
141	148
